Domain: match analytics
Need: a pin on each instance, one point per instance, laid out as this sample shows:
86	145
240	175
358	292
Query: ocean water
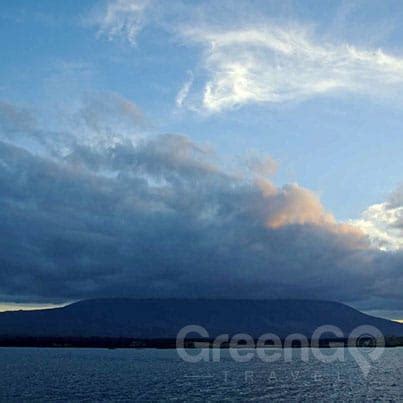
63	374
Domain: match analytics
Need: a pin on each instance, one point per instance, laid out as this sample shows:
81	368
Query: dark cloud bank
90	212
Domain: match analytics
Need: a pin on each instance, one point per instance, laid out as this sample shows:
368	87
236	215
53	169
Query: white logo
365	343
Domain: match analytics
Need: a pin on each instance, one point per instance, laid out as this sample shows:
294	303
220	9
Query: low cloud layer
123	214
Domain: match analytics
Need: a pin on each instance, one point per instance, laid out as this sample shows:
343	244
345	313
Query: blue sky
333	143
313	87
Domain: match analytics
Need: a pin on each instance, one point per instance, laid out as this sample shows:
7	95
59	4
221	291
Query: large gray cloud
159	216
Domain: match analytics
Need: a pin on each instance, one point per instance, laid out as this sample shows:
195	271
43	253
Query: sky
244	149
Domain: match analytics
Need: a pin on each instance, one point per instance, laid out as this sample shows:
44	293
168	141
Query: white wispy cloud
383	225
256	62
121	19
184	91
272	64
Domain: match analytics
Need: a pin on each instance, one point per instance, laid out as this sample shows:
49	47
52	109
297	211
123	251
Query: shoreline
170	343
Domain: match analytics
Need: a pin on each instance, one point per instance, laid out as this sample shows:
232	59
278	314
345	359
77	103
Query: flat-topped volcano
163	318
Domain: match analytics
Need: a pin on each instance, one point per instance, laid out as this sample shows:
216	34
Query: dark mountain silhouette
163	318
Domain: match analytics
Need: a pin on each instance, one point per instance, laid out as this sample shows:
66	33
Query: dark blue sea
67	374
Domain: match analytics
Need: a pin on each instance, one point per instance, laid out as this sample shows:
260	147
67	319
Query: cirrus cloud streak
272	64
